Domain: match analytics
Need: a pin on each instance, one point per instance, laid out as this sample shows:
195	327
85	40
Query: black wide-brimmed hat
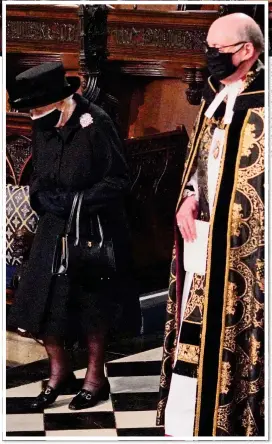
41	85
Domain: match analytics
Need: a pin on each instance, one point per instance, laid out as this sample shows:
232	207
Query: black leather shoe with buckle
49	394
86	399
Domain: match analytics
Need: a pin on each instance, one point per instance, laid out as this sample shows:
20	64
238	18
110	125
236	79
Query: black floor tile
140	368
25	374
36	433
38	370
80	357
20	405
123	402
74	421
148	431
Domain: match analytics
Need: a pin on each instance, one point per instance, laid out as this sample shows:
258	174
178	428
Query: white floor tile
150	355
27	390
61	406
134	384
135	419
80	433
24	422
80	373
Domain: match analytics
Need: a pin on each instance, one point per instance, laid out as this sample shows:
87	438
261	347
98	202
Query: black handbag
93	256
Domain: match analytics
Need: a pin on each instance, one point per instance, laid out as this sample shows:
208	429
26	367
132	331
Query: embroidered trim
188	353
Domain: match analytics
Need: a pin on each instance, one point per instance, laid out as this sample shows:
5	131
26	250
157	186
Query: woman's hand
47	201
56	202
186	218
64	199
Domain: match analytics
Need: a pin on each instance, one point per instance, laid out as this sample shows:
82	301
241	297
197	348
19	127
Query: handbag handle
80	198
64	243
72	212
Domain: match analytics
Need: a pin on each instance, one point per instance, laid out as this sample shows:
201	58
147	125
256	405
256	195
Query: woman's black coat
74	158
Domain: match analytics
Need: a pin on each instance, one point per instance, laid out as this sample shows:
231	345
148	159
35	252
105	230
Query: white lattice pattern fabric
19	214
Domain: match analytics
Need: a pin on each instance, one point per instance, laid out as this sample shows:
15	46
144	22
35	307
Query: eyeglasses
215	50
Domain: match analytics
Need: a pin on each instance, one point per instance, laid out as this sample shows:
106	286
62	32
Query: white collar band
231	92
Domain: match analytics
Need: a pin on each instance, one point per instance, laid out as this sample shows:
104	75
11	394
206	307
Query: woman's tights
60	363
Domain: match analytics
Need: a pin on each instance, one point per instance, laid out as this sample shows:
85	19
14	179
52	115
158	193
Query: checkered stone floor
130	411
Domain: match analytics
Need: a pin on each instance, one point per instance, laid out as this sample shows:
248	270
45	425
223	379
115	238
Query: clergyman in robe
212	377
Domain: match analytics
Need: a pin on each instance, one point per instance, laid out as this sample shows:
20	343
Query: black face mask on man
47	121
219	63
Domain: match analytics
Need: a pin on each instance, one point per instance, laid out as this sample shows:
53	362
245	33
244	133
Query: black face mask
220	63
48	122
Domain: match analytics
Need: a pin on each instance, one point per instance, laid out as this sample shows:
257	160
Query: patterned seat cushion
19	214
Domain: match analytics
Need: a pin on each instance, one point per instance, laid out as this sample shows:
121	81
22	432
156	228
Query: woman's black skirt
91	306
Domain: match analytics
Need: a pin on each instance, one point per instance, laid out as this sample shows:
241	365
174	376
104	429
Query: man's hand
186	218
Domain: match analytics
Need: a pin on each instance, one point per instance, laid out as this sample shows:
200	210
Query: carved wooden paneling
171	39
150	7
38	34
156	38
41	31
160	44
45	26
18	154
156	164
18	147
18	123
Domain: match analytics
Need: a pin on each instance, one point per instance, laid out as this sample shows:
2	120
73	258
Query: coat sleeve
110	167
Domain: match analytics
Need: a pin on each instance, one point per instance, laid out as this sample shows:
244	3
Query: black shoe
49	394
86	399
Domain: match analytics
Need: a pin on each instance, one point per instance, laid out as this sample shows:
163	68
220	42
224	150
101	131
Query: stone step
21	350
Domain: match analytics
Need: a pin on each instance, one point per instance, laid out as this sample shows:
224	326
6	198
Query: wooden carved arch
93	55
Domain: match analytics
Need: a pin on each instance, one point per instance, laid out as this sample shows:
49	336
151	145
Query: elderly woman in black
75	149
